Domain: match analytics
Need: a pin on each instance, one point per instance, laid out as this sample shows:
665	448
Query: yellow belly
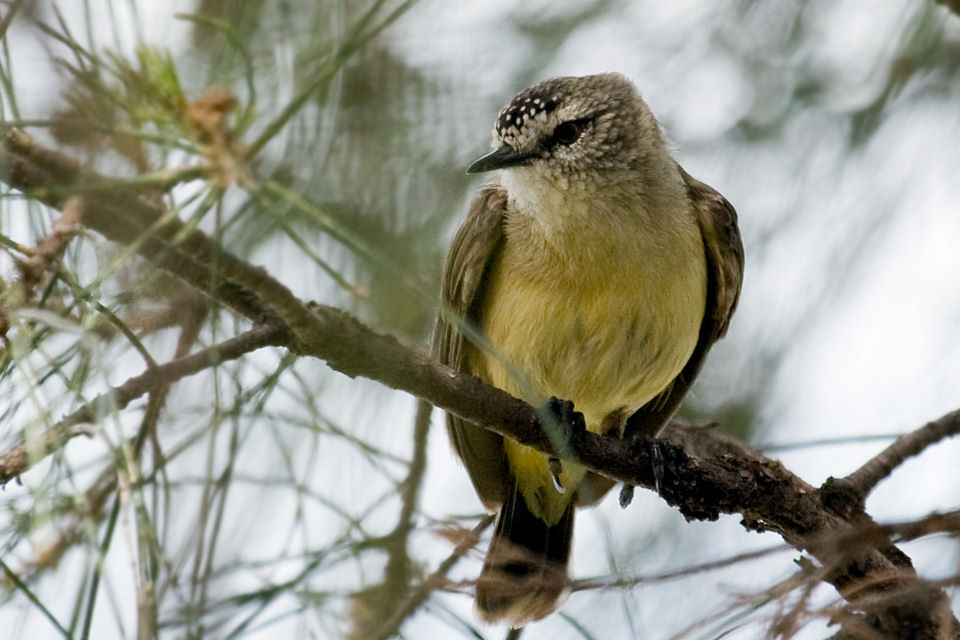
608	338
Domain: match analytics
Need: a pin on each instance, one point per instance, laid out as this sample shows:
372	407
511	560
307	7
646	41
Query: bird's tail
525	571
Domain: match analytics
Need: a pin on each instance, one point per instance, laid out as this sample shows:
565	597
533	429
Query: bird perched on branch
594	270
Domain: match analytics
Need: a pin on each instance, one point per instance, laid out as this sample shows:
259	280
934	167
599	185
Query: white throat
554	202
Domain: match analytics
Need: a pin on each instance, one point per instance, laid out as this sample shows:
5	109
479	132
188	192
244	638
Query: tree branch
122	216
390	626
863	480
51	248
22	456
388	599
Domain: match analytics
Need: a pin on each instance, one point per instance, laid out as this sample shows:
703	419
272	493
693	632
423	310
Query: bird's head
574	125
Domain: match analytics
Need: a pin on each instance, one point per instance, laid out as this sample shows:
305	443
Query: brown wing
724	252
474	249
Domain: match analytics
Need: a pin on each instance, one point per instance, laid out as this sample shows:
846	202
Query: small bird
597	271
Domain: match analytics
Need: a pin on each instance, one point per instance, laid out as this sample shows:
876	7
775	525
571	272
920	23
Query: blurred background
267	500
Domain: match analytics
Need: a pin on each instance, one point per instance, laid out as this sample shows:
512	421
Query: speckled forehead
534	104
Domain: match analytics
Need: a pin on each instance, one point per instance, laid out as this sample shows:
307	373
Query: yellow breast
606	328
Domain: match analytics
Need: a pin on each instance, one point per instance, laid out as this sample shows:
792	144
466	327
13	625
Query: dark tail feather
525	571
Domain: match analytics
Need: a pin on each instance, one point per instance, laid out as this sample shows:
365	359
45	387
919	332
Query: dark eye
567	133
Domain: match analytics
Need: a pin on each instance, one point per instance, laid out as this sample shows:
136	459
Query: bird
591	270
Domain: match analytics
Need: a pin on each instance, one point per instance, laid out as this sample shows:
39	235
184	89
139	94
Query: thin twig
419	595
322	76
585	584
864	479
21	585
387	596
20	457
122	217
48	252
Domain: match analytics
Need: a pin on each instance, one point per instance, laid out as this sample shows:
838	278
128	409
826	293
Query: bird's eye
567	132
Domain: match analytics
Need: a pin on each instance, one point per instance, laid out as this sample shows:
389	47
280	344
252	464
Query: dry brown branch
788	620
48	252
122	216
76	529
704	474
863	480
21	457
389	626
385	599
607	582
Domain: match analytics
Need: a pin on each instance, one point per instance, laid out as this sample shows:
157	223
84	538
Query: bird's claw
556	468
626	495
563	418
652	447
564	426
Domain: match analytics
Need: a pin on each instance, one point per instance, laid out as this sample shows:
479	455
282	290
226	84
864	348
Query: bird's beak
505	156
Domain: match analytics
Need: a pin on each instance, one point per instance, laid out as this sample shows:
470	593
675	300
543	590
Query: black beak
505	156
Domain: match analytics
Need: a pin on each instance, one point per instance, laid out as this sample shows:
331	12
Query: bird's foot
562	421
564	427
641	443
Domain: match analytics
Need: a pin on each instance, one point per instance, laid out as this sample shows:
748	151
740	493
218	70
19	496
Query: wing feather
474	249
724	253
